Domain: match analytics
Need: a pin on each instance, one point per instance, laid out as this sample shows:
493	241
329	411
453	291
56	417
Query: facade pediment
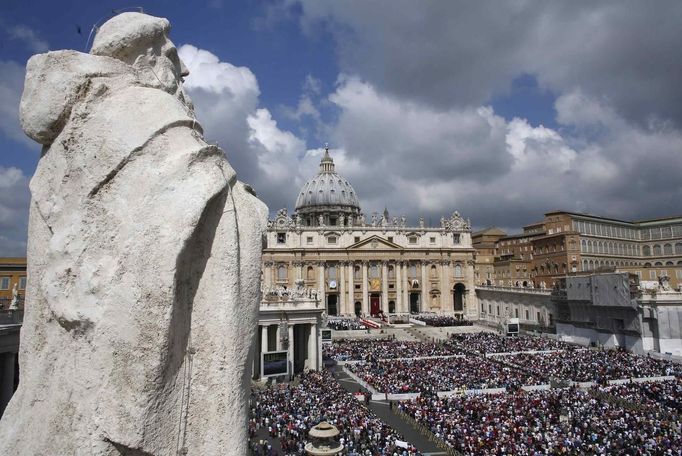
373	243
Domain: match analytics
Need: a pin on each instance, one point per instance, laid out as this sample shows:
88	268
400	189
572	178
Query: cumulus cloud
14	202
227	105
464	53
29	37
11	87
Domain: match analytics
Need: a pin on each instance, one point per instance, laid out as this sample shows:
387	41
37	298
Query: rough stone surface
143	261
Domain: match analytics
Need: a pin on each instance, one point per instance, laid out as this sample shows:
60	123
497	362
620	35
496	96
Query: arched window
374	271
668	249
281	272
658	263
413	270
678	248
585	265
357	273
434	272
310	273
331	272
657	250
583	245
458	270
391	272
646	250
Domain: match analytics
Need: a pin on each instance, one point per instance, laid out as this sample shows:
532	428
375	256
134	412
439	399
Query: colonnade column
312	347
321	286
278	338
365	297
384	286
446	292
423	283
351	288
268	273
398	286
406	294
342	288
290	350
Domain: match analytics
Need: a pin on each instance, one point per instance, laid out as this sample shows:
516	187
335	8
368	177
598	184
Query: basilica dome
328	195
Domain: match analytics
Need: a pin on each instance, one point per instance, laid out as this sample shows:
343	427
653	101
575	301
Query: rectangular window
22	283
456	238
4	283
309	239
413	239
281	238
390	239
652	274
357	238
331	240
527	316
432	240
516	313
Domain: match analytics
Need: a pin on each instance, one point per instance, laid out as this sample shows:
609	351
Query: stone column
7	361
351	288
268	273
384	286
406	288
321	285
447	301
365	296
290	350
425	304
342	288
278	339
398	286
264	339
312	348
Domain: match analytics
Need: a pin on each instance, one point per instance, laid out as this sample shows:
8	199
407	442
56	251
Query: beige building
568	243
368	267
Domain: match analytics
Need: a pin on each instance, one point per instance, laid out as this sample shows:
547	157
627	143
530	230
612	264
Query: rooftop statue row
283	221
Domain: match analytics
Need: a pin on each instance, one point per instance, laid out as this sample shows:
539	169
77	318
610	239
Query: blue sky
502	111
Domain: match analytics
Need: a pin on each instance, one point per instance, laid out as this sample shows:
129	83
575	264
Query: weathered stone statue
143	261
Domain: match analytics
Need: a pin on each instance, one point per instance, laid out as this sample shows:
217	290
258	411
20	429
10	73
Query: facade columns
278	337
342	288
365	296
264	339
406	294
351	289
384	286
447	299
312	347
268	273
398	268
424	292
290	350
321	285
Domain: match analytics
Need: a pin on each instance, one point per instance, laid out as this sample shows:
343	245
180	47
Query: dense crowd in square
486	342
288	412
531	423
433	319
357	350
441	374
666	395
594	365
345	324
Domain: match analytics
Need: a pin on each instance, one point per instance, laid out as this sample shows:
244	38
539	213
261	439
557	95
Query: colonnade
396	287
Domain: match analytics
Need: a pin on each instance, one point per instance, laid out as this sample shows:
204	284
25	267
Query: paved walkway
384	412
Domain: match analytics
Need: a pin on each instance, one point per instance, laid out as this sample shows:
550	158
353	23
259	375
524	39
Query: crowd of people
345	324
666	395
486	342
594	365
432	319
373	349
559	421
441	374
288	412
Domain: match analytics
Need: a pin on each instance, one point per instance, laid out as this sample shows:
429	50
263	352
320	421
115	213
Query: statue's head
142	41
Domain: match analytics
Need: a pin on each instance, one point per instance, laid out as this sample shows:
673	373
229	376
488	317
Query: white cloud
29	37
11	87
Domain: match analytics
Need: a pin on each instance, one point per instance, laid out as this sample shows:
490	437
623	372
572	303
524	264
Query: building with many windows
567	243
368	267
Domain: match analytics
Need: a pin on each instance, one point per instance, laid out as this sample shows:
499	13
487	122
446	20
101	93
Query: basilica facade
360	266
